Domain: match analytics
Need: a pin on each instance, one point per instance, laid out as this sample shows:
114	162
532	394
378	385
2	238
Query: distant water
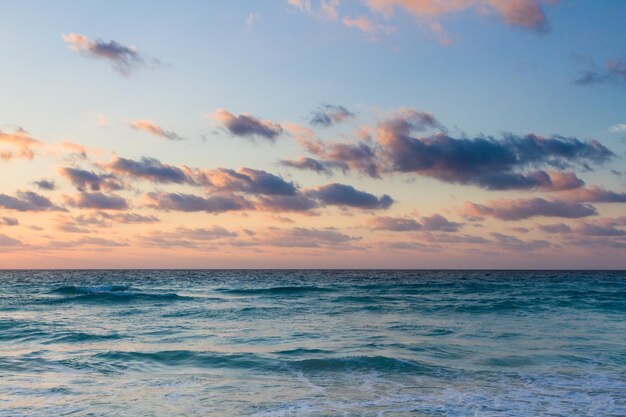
312	343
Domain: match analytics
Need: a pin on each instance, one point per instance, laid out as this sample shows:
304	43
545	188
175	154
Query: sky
313	134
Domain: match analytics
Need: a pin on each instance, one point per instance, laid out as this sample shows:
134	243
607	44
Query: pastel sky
313	134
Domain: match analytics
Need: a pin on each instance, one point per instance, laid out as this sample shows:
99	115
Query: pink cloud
304	5
363	23
527	14
123	58
154	129
594	194
519	209
21	142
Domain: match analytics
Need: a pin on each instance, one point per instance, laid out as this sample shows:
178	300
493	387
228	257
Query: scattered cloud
28	201
405	142
44	184
515	244
205	233
186	237
247	180
98	201
346	195
75	150
302	237
484	161
79	223
363	23
510	162
85	241
594	194
280	203
409	246
560	181
311	164
594	229
329	8
451	238
128	218
103	218
602	244
359	157
246	125
603	227
304	5
21	142
69	226
438	223
613	72
83	180
6	241
272	191
554	228
329	115
154	129
434	223
9	221
527	14
192	203
124	59
519	209
148	169
394	224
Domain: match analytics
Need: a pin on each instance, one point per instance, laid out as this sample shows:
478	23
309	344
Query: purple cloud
329	114
438	223
246	125
613	72
346	195
47	185
100	201
394	224
83	180
124	59
510	162
28	201
149	169
523	209
191	202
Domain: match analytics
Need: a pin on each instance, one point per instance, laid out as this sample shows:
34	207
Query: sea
312	343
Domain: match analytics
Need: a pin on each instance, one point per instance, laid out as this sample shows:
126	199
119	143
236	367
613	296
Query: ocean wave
363	363
278	363
44	334
106	294
187	358
286	290
22	333
301	351
103	289
80	337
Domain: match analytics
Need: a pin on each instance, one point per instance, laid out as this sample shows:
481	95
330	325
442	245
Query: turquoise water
312	343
